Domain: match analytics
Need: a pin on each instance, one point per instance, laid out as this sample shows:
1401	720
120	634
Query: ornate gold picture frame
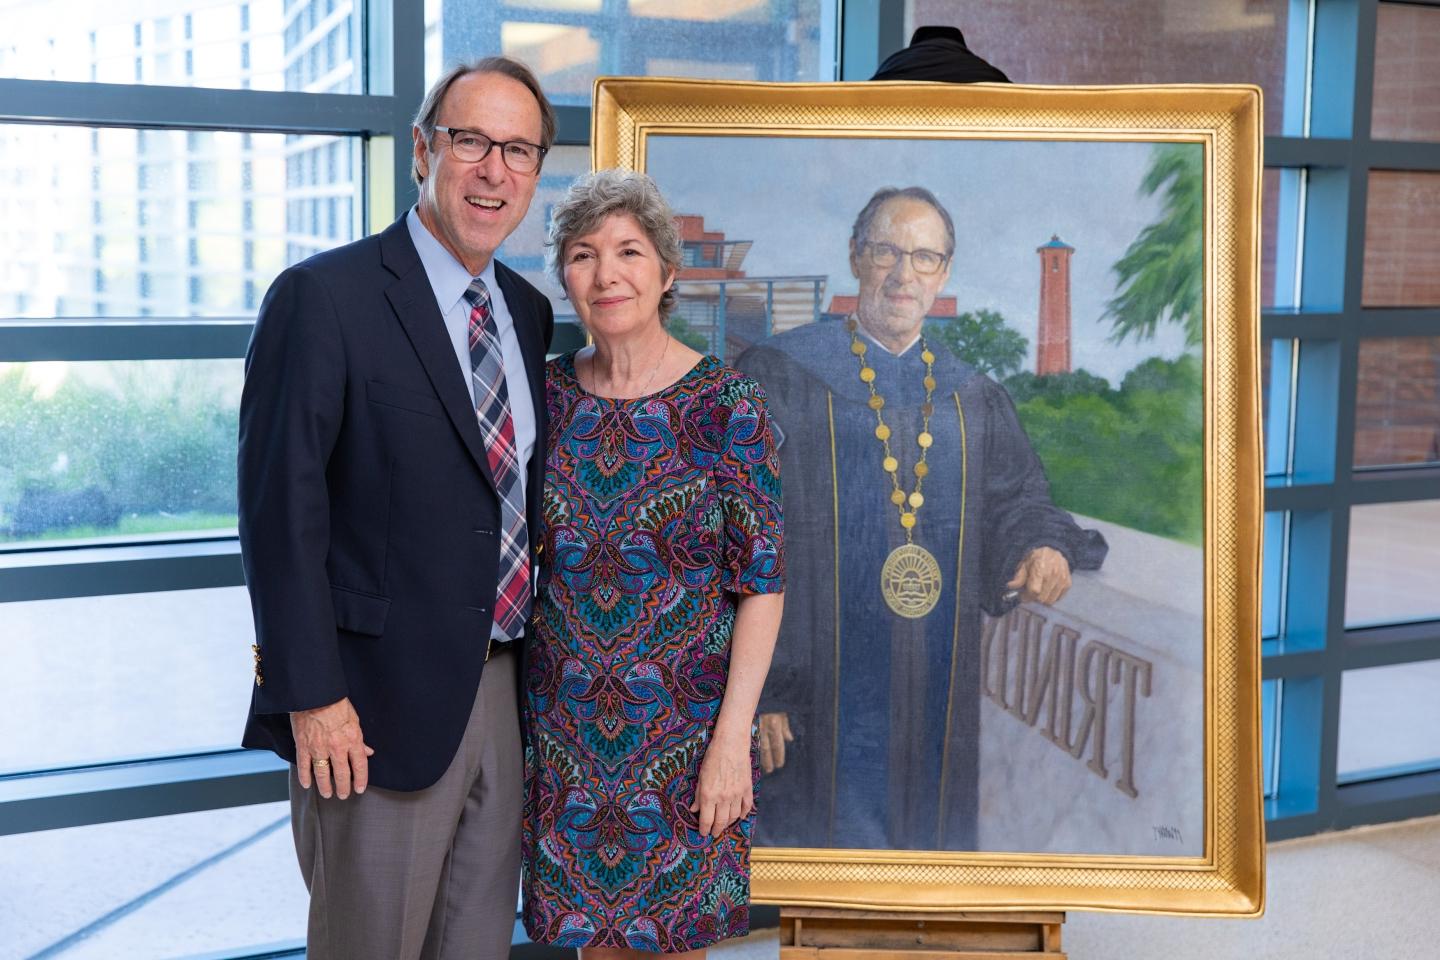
1160	811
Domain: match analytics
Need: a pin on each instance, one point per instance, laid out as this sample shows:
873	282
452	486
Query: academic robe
905	693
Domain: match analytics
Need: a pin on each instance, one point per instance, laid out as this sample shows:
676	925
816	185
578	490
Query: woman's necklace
910	579
645	390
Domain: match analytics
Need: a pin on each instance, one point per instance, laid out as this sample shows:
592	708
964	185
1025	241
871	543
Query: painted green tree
982	339
1055	387
1132	456
1160	278
681	330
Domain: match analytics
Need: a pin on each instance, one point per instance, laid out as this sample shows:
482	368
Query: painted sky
796	198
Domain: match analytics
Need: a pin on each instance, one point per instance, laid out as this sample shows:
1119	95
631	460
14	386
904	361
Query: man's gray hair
595	196
861	230
429	113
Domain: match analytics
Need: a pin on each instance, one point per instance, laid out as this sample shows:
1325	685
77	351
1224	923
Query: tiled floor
1370	893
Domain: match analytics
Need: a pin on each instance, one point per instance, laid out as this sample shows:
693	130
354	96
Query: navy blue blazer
368	514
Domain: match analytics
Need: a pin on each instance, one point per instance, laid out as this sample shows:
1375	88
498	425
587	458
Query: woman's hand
725	792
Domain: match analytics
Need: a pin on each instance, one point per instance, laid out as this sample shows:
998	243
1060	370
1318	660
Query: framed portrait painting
1008	339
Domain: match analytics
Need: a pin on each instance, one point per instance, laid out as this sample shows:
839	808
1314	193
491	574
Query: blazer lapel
414	303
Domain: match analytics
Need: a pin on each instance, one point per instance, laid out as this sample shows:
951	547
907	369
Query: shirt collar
448	277
866	334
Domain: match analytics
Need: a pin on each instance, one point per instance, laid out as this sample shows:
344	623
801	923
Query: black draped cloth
884	708
940	54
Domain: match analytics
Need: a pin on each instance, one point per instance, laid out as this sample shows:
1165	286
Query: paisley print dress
659	511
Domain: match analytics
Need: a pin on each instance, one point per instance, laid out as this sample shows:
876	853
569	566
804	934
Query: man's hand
1043	576
331	734
724	793
774	734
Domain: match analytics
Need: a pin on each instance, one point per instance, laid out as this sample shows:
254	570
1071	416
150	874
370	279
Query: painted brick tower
1052	352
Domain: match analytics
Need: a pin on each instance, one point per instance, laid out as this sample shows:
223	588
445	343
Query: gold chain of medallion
916	498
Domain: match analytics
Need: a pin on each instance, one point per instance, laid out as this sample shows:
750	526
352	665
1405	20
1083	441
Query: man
391	460
913	501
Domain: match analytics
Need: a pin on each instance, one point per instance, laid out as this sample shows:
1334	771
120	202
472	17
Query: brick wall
1407	73
1126	41
1402	240
1397	403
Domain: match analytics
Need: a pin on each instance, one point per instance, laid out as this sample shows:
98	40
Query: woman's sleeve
748	480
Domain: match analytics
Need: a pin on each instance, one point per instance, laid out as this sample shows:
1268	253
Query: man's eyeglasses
886	255
471	146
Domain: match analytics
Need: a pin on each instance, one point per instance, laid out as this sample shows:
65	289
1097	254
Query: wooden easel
816	933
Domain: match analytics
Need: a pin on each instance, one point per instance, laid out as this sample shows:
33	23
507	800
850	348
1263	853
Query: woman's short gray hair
595	196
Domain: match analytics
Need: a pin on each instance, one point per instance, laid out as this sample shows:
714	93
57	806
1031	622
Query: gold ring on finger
322	763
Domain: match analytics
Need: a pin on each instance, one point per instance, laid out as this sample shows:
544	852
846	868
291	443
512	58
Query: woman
660	579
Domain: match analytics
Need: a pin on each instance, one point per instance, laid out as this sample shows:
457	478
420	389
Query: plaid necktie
497	428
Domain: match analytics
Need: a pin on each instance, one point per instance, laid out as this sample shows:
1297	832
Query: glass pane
1273	575
565	56
1407	85
1402	240
117	449
1269	736
310	45
524	250
1394	565
570	42
104	222
1278	358
1388	719
1128	41
1397	403
179	886
88	666
1283	195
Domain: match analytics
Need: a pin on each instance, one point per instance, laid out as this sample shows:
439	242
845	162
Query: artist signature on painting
1168	833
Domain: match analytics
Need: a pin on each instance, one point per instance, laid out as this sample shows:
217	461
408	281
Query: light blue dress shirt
449	280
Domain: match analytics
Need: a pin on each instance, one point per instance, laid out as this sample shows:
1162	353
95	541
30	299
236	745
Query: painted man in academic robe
913	502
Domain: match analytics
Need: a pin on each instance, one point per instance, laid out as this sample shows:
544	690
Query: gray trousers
428	875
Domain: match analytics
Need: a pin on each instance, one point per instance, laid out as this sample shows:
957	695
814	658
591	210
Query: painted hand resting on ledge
774	734
1042	577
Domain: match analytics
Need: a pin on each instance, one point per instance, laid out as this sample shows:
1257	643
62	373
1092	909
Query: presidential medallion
910	581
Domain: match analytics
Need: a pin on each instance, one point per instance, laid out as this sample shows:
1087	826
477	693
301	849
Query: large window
116	450
310	45
203	884
160	163
571	42
125	675
117	222
1352	418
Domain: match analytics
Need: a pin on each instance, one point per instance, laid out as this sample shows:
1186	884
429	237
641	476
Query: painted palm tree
1161	276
